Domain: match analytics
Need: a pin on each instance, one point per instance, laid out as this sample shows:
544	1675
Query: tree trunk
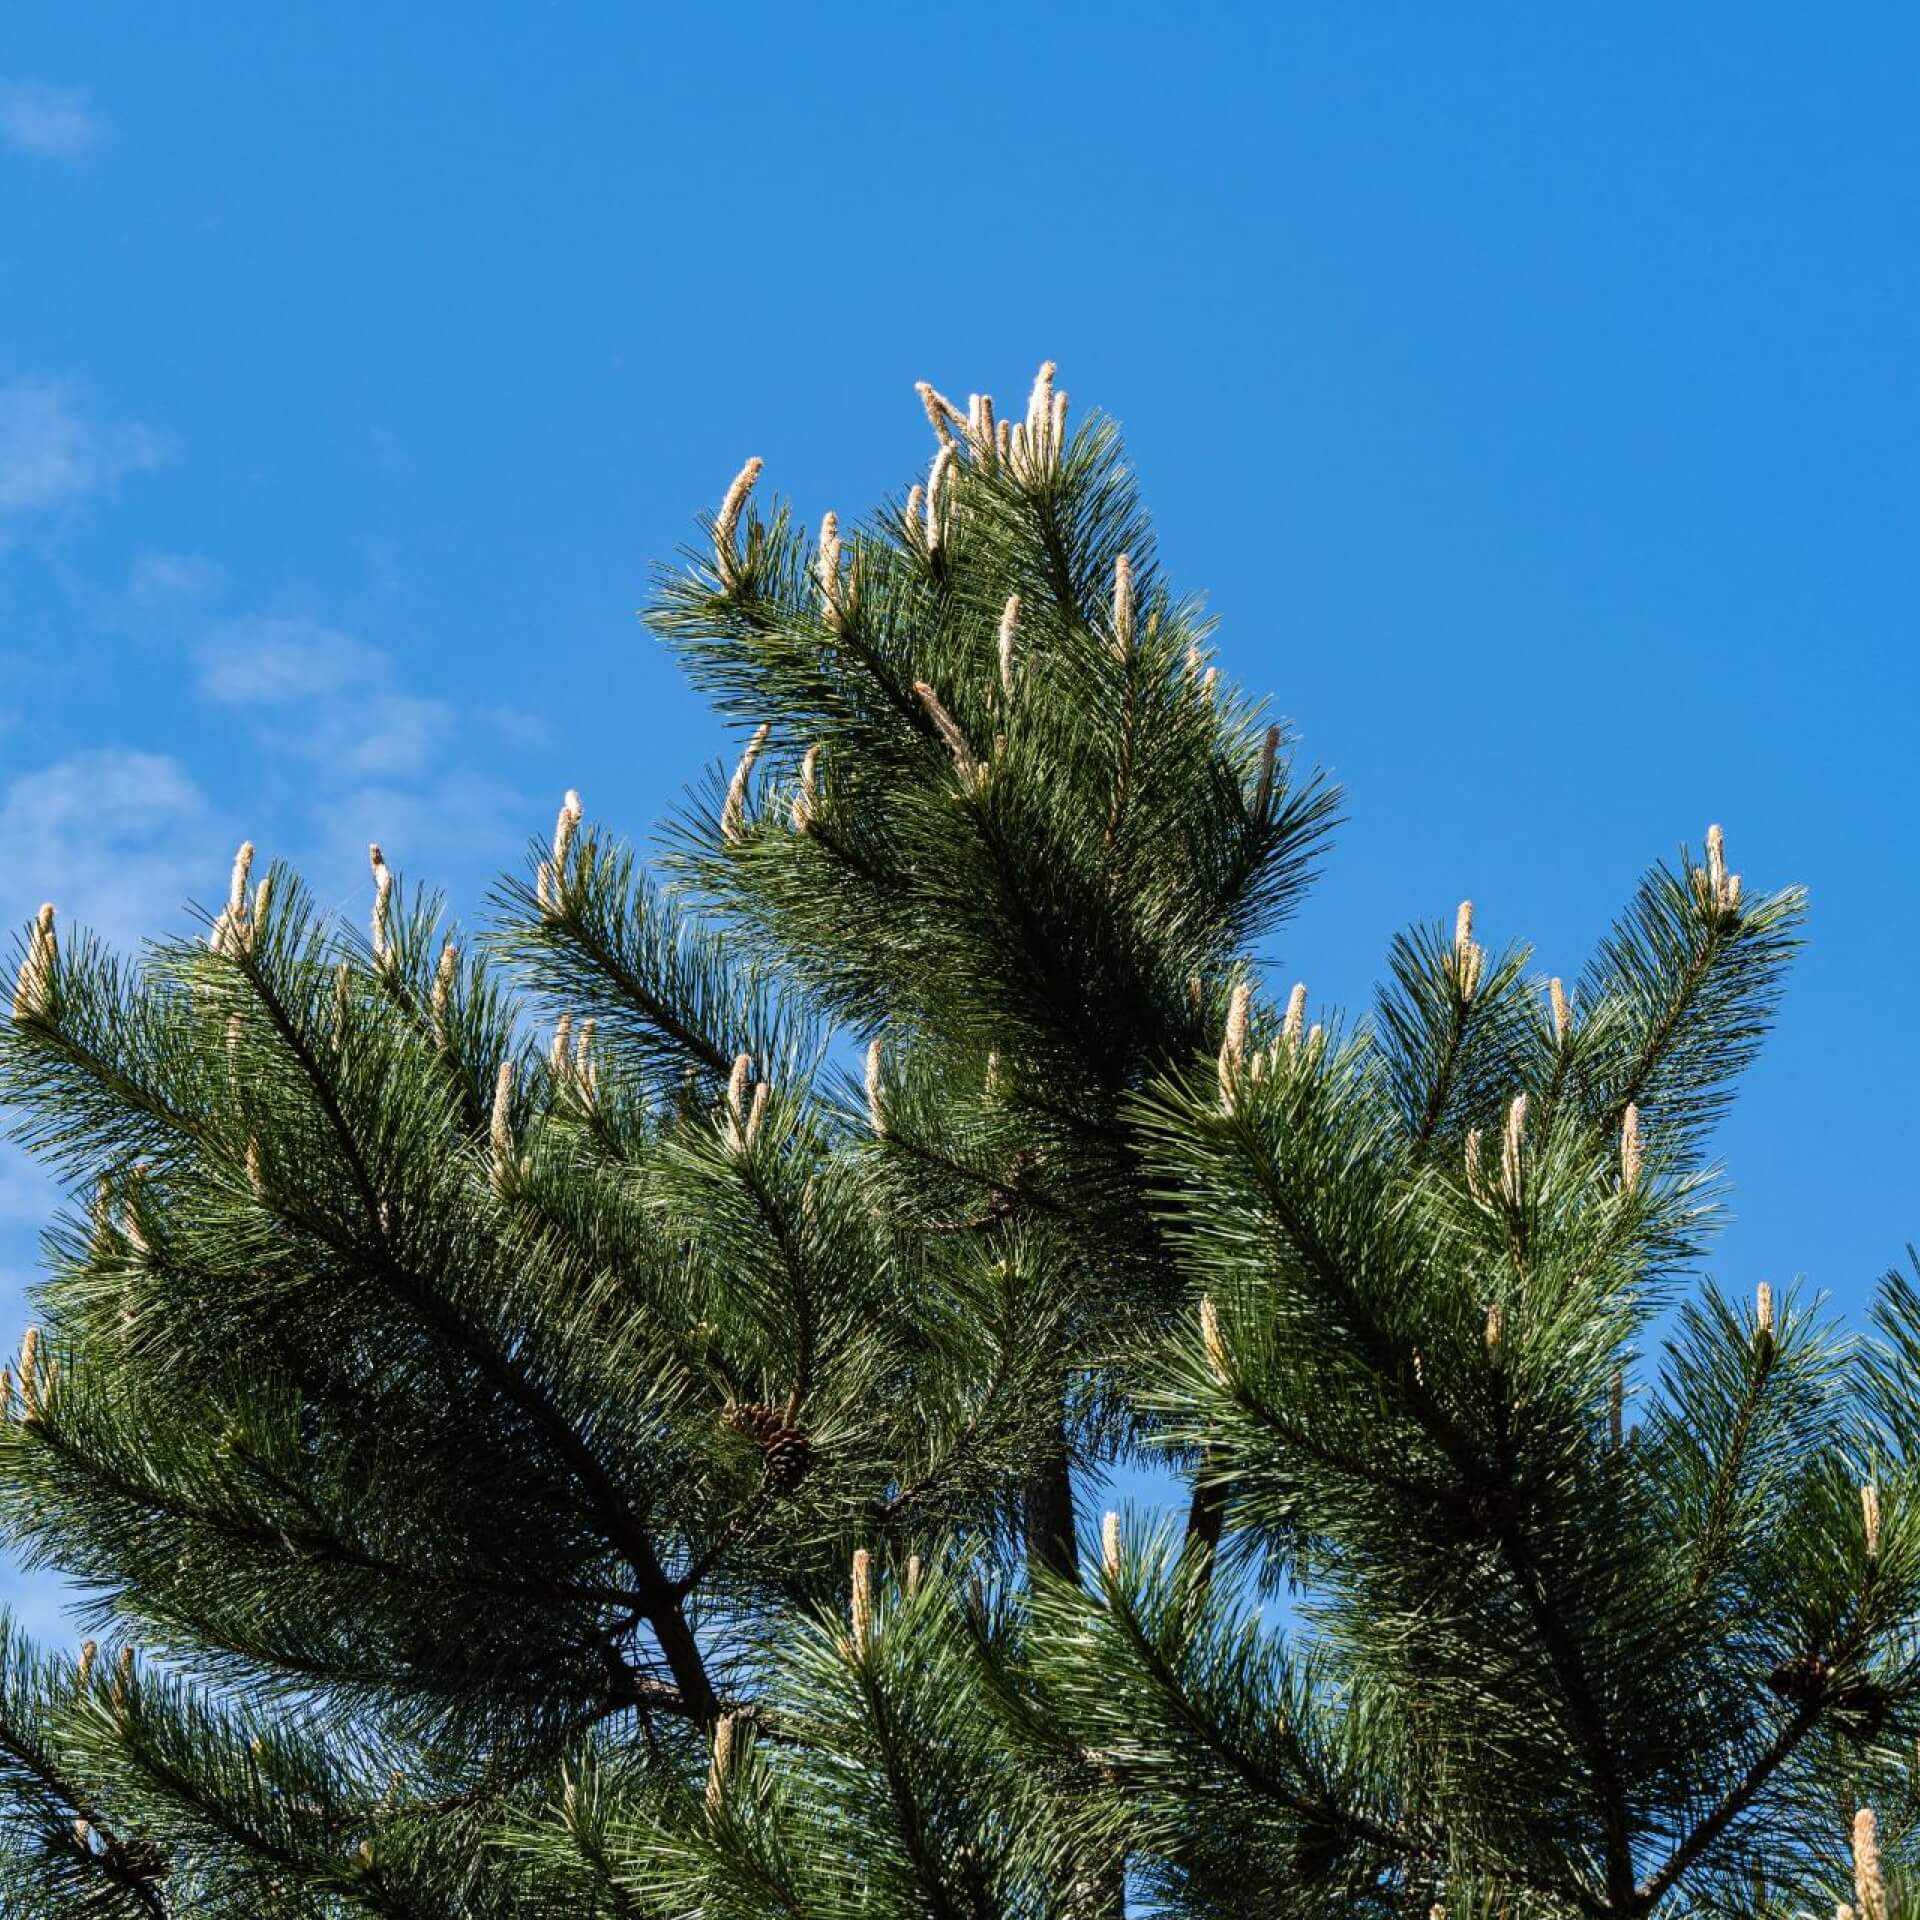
1050	1528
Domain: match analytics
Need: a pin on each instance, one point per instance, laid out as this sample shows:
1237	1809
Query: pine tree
600	1418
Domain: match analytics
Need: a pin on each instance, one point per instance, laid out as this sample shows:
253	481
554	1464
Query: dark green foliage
475	1434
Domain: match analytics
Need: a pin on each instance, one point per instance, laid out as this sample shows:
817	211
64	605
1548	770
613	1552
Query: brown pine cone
141	1859
787	1457
786	1453
758	1421
1804	1678
1862	1710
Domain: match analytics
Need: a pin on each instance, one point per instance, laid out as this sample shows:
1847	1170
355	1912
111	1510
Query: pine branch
890	1513
912	1826
738	1527
1390	1840
422	1400
1590	1722
1370	1337
507	1375
1728	1477
1742	1795
31	1756
314	1542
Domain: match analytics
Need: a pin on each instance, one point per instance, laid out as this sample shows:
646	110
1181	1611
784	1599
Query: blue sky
1530	389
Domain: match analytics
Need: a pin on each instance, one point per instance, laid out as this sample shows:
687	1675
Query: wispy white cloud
388	764
53	454
424	826
118	840
326	740
324	695
268	660
53	123
519	728
172	582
